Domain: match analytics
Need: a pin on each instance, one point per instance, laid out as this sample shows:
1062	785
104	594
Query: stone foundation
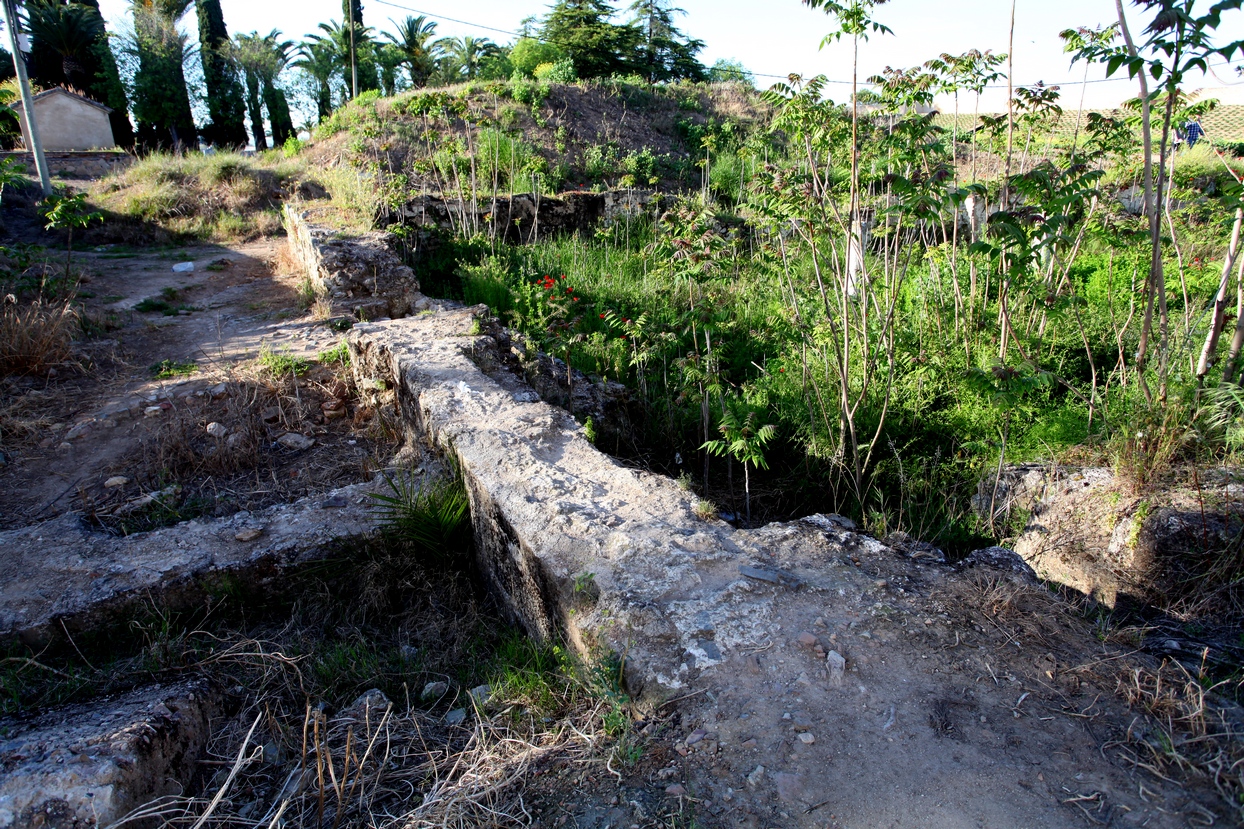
83	165
363	271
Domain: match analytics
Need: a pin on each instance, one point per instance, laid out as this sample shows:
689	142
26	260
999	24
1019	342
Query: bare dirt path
89	423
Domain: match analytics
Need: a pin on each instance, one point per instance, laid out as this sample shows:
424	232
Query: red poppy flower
602	316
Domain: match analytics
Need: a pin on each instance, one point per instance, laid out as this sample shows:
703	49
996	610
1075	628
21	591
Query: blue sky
782	36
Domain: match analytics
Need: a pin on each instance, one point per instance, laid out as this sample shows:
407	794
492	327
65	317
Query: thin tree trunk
1220	302
1146	131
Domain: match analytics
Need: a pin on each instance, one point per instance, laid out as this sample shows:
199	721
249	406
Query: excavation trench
273	671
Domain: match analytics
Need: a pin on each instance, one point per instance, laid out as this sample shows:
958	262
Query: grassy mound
221	197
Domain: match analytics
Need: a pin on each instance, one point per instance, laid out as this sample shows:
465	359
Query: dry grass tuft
1182	731
222	197
36	335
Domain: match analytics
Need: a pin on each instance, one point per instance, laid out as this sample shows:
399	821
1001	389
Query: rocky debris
248	534
116	481
433	691
365	271
295	442
608	404
217	430
915	549
1000	558
62	576
1089	531
456	717
89	765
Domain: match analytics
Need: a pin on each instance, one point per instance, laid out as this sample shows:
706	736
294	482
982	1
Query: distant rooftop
1224	124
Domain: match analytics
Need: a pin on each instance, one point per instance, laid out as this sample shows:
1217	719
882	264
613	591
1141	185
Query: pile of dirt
581	134
166	198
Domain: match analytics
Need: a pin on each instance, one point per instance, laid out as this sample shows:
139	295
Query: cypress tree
224	92
161	99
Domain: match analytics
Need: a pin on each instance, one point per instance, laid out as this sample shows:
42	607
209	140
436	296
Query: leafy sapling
66	212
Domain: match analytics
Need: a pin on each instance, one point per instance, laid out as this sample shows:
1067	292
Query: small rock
295	441
271	754
46	443
806	738
271	414
481	693
217	430
434	691
116	481
807	639
182	312
837	667
695	736
235	440
756	776
801	722
409	652
334	502
79	430
749	743
153	411
248	534
456	717
675	790
65	446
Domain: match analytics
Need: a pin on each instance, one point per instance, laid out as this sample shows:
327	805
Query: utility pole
354	68
28	102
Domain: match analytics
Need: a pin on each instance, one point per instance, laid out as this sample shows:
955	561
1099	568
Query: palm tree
414	40
317	57
467	54
249	53
262	59
339	36
273	96
69	31
70	46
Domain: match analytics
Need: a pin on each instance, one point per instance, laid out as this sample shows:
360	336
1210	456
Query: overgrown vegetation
312	657
221	197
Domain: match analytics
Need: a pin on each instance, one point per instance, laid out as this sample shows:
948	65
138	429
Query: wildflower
602	316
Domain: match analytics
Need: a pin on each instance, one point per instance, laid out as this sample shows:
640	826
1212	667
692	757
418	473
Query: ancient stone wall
79	165
363	271
525	218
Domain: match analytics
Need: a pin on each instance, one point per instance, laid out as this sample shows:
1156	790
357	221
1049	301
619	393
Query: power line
442	17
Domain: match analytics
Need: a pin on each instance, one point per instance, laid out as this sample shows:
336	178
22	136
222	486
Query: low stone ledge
89	765
574	541
363	271
62	576
807	672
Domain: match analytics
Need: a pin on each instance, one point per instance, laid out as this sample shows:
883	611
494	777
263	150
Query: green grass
281	363
168	369
337	355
